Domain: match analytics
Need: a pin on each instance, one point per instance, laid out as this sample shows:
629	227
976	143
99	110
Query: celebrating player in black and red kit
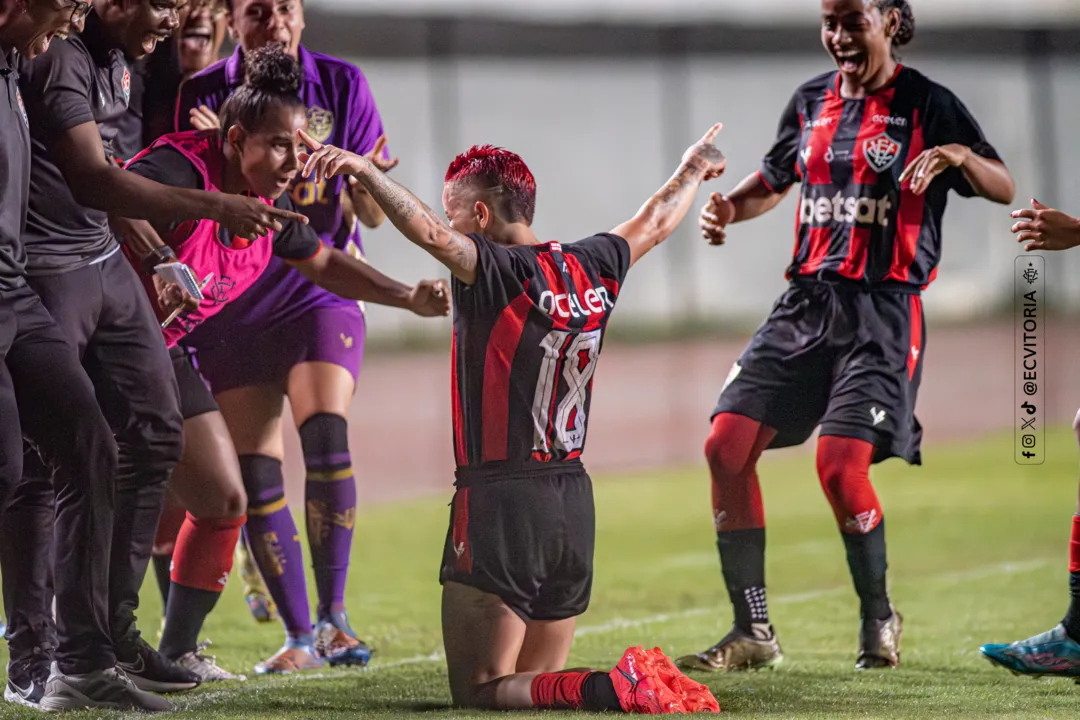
529	320
877	146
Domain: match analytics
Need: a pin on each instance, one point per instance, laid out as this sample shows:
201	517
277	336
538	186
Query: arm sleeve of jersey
365	124
168	167
609	253
58	87
949	121
778	166
296	241
496	283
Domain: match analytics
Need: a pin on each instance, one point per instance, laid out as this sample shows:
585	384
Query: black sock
1072	617
162	569
184	617
866	560
598	693
742	558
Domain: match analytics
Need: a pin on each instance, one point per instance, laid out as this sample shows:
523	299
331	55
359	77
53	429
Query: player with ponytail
255	154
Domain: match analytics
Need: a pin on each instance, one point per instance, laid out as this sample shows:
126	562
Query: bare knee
229	502
1076	426
234	503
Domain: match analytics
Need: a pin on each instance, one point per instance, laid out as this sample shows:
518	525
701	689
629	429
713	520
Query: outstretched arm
663	212
1044	228
750	198
347	277
96	183
367	210
413	219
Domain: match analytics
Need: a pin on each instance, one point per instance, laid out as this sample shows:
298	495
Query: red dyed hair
502	176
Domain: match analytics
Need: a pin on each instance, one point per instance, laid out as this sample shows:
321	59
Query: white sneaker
205	666
99	689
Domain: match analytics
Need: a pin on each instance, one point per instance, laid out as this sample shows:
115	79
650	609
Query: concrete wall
601	134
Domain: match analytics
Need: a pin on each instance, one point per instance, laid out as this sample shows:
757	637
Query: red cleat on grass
647	682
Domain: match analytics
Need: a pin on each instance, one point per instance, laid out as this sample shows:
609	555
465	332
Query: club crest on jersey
881	152
125	86
320	123
22	107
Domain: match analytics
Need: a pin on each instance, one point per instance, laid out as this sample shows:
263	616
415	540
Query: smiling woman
202	30
877	147
863	42
256	154
30	28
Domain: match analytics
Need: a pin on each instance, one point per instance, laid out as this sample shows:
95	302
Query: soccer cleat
879	642
292	658
737	650
336	642
648	683
258	599
27	678
205	667
108	689
1052	653
148	669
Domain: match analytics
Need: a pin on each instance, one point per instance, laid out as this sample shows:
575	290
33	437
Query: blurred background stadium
601	97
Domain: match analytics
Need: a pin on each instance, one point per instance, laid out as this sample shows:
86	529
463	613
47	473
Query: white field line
977	573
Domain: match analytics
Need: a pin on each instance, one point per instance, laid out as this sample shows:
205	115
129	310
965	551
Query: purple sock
331	506
275	544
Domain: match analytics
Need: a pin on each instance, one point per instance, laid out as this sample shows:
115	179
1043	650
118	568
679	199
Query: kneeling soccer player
529	320
1056	651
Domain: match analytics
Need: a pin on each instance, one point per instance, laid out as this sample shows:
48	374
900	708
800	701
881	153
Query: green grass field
978	554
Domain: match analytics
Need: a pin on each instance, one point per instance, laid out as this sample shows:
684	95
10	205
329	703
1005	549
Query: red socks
732	450
203	557
843	466
559	691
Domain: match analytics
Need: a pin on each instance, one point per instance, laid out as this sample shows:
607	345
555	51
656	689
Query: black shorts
527	538
839	356
195	396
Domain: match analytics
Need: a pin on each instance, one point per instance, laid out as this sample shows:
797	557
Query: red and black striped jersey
527	337
854	220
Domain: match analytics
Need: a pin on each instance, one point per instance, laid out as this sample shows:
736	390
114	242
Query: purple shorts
282	321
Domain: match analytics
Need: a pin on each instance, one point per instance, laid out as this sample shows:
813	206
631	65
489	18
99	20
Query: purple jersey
285	319
340	109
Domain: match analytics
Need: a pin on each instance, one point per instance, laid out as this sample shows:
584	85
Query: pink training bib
233	269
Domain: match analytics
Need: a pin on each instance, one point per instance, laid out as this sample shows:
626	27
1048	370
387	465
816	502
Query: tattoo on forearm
464	251
403	204
672	191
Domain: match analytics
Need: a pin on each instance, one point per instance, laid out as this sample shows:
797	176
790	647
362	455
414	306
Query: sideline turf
978	554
